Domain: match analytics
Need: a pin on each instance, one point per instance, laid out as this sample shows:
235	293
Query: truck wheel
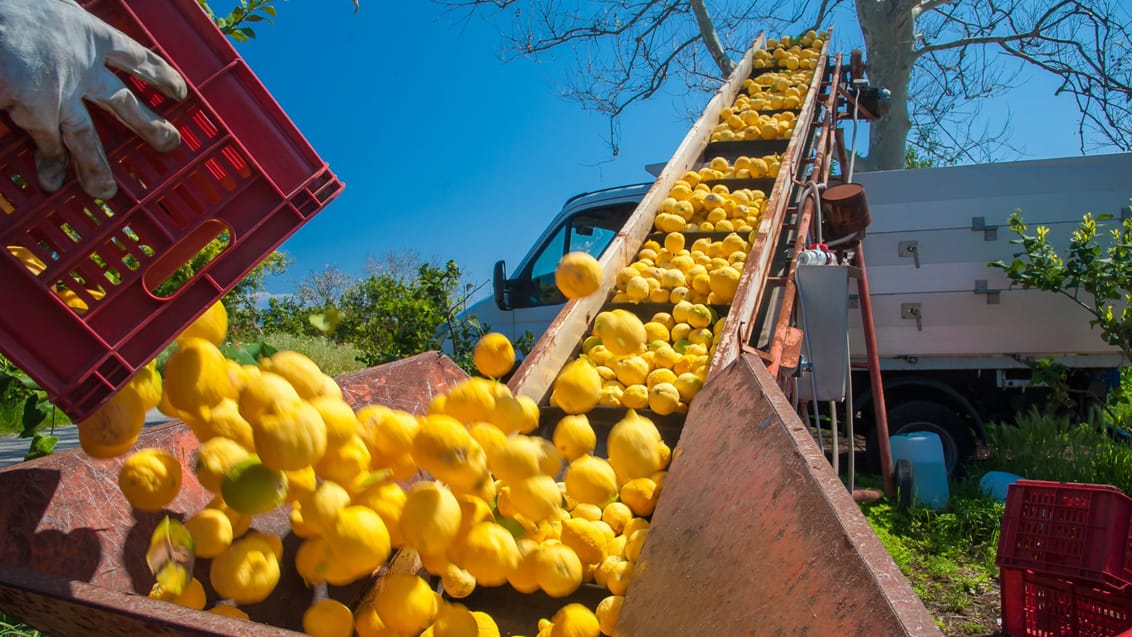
954	434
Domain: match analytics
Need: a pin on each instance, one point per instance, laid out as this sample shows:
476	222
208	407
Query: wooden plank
536	375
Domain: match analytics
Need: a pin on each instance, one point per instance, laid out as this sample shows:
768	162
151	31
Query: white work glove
53	53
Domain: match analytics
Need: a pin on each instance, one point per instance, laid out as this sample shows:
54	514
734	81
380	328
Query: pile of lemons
790	53
694	206
502	507
782	90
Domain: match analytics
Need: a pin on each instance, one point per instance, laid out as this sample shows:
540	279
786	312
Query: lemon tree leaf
326	322
41	445
170	555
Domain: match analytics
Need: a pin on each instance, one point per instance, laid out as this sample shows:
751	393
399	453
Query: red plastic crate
242	169
1075	531
1037	606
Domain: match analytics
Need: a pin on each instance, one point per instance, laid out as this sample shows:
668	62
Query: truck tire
917	415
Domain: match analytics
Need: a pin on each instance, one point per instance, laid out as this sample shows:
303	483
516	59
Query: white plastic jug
929	471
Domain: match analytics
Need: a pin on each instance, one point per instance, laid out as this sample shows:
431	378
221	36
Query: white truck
953	337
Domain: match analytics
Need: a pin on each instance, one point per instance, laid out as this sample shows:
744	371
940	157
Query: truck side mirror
499	285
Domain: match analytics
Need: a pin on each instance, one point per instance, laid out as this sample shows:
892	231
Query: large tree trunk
889	31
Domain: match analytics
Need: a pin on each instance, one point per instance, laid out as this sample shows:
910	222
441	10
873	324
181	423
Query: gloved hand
53	53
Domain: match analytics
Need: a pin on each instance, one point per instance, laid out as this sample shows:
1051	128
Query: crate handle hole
185	260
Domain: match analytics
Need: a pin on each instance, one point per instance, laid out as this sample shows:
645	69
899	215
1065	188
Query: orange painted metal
755	534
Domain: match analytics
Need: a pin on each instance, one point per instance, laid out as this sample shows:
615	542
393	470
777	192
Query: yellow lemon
213	460
588	542
340	420
621	332
454	620
430	518
574	437
228	610
486	625
240	521
321	507
264	393
558	570
494	356
578	275
387	499
688	385
516	459
211	531
246	572
405	603
635	397
607	612
631	370
444	448
328	618
300	371
577	388
212	326
458	583
344	462
386	430
196	377
471	401
536	498
664	398
359	536
147	383
490	553
634	447
592	480
224	421
616	515
150	479
524	577
290	437
640	495
192	597
489	436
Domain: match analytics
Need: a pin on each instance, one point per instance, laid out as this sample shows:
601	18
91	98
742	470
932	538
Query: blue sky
451	153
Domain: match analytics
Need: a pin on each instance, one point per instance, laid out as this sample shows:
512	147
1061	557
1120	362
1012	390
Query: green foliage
25	410
333	358
11	627
402	308
389	316
947	556
1045	446
235	23
1095	277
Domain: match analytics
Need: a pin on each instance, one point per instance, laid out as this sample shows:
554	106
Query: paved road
13	449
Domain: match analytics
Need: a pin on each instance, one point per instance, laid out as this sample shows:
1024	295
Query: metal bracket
913	311
909	249
990	233
992	295
854	301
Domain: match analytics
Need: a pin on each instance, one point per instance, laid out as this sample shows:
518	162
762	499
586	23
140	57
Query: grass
1044	446
947	556
333	358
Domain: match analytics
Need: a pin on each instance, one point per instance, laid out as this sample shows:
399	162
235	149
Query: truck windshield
589	231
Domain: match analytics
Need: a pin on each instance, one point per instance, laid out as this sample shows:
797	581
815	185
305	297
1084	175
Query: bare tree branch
711	38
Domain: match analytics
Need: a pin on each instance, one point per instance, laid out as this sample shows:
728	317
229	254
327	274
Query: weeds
10	627
333	358
1045	446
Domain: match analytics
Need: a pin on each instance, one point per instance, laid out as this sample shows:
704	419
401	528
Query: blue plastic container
929	471
995	483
